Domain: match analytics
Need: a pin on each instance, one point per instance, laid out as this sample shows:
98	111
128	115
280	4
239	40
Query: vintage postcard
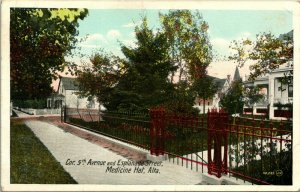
149	95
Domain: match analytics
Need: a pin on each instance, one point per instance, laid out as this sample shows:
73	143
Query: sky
107	28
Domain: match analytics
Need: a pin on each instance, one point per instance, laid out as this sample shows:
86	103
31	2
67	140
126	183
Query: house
222	86
278	100
67	95
278	96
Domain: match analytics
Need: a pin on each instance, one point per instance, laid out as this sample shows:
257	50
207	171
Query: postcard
149	95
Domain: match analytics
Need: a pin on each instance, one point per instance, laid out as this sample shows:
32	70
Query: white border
292	6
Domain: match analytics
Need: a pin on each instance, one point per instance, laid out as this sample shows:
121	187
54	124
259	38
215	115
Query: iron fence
132	128
183	137
257	151
260	151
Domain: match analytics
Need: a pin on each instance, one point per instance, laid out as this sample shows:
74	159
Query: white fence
40	111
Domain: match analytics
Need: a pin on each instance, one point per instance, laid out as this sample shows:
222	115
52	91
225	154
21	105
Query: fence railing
133	128
260	151
257	151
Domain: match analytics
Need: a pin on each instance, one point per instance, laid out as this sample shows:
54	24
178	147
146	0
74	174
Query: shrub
34	104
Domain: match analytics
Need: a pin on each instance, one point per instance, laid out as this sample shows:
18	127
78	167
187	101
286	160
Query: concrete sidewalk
25	115
21	114
71	150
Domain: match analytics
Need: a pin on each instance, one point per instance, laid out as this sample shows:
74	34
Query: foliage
251	95
144	82
100	77
39	41
34	104
30	160
205	88
267	51
181	100
189	43
232	100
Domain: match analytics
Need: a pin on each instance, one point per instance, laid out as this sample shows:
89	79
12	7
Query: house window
207	103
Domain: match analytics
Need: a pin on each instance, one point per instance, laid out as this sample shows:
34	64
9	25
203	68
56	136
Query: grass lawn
31	162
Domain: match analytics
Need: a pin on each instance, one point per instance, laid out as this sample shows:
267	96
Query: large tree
100	76
267	53
145	81
39	41
190	48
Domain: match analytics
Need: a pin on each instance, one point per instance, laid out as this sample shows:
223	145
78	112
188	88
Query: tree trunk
172	77
180	72
203	106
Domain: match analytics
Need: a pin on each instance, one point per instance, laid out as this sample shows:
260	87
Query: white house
67	95
278	99
275	93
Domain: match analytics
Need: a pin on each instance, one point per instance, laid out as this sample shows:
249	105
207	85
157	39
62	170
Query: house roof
69	83
219	82
287	35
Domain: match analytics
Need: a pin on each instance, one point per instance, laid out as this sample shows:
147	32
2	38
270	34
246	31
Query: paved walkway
67	148
21	114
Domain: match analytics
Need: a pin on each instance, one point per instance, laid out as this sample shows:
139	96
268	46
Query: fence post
217	132
157	131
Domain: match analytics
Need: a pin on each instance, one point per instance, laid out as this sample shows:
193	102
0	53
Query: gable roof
69	83
219	82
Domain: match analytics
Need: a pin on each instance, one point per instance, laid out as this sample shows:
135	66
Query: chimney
228	78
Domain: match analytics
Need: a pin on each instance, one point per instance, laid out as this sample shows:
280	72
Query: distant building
222	85
67	95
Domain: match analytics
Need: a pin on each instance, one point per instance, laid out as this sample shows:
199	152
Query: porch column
271	96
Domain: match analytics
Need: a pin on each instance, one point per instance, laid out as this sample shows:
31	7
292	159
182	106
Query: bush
34	104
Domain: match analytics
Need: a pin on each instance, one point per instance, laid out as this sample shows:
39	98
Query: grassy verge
31	162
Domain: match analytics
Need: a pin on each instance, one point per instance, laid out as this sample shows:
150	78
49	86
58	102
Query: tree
100	76
181	99
251	96
145	80
267	52
233	100
191	51
190	48
39	41
204	88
